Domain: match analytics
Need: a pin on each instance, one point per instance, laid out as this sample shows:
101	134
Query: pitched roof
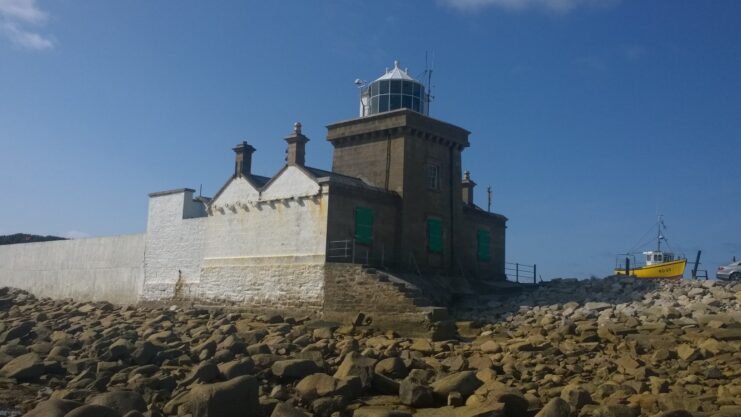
396	74
478	210
317	174
339	178
259	180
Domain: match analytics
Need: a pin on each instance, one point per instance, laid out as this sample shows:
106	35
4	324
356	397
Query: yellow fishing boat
659	263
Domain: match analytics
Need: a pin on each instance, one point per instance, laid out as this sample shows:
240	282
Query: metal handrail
525	271
348	251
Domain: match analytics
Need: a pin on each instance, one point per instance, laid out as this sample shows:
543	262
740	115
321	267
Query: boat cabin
657	257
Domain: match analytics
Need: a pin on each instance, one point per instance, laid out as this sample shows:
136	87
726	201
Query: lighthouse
394	90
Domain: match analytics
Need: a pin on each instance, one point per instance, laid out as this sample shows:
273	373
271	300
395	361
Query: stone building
388	229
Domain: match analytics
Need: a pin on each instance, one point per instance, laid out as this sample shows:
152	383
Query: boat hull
673	269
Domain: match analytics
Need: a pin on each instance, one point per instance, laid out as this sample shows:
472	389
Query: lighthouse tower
395	89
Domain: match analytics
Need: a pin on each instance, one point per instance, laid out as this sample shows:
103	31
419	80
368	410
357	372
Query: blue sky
588	117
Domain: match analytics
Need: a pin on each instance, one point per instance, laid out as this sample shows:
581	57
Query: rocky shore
609	347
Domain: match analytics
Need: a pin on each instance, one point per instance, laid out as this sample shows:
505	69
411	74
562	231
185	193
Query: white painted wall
274	228
293	230
238	190
174	245
289	218
292	182
106	268
261	250
267	252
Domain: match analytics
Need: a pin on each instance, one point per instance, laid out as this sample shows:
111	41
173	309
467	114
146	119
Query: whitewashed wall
107	268
292	182
238	190
174	245
253	249
257	248
272	283
267	252
289	218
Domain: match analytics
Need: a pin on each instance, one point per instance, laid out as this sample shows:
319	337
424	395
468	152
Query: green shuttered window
363	225
435	235
482	245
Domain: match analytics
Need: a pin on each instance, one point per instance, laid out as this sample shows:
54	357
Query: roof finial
396	64
467	175
297	128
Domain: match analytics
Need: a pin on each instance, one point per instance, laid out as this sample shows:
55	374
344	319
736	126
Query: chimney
243	159
296	152
467	186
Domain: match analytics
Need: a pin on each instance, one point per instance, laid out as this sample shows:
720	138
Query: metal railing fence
518	272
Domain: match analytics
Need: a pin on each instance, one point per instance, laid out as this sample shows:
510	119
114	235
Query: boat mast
659	236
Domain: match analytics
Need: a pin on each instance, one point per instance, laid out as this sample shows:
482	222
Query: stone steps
413	294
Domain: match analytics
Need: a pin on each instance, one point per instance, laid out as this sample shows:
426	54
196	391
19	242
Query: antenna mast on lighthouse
428	74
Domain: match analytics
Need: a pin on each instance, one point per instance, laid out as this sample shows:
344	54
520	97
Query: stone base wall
292	284
351	289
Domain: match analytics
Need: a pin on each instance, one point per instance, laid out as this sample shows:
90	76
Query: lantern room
394	90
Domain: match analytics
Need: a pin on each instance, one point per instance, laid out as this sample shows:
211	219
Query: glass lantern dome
394	90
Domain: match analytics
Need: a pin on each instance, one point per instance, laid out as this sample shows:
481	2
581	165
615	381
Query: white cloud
24	38
22	10
557	6
15	18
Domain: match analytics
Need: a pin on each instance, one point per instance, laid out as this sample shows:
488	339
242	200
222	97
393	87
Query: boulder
316	385
488	409
205	372
28	367
576	396
556	407
285	410
119	349
596	306
515	404
327	406
677	413
463	382
236	368
491	346
379	412
17	331
121	401
145	353
358	365
415	394
238	396
615	410
687	352
392	367
93	410
421	345
294	368
384	385
323	333
323	385
52	408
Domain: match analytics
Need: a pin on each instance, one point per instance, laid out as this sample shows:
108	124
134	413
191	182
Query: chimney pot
467	186
243	159
296	150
